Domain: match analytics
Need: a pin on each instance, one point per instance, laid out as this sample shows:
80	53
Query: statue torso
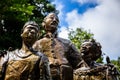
59	50
22	67
54	49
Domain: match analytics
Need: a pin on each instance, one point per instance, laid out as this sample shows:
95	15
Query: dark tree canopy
13	15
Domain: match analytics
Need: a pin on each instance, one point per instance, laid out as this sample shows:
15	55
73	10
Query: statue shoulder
64	41
3	53
43	40
41	44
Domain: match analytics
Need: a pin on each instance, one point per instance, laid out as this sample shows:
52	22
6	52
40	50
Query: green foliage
78	36
13	15
116	63
100	60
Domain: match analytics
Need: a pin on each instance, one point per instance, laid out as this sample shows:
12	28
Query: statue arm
74	55
36	46
44	68
112	71
3	63
47	70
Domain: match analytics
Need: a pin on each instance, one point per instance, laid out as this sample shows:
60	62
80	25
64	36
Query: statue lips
83	50
54	24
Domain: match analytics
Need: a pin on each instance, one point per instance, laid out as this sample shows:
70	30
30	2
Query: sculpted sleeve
3	62
47	69
74	56
71	52
44	67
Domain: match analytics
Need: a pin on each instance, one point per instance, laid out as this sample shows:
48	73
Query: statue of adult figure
25	63
91	51
62	54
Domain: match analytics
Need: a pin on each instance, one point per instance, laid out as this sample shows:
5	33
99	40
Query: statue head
50	22
33	23
30	32
90	50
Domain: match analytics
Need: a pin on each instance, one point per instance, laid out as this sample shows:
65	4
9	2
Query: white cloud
59	6
104	23
63	33
86	1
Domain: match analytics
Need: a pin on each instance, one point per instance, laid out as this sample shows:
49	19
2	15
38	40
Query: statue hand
2	53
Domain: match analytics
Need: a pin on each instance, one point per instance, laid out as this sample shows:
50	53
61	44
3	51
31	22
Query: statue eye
51	17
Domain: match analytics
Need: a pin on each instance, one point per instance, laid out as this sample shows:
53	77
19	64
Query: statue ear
38	35
43	24
21	34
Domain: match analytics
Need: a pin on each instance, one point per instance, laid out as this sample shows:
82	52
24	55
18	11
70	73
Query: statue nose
54	19
83	47
32	31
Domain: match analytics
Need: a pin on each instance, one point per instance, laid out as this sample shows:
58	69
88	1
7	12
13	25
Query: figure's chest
17	69
52	46
54	49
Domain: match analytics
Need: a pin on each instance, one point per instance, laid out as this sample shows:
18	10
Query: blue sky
70	5
101	17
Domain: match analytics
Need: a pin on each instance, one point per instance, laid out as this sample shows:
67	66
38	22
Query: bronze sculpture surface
91	51
25	63
62	54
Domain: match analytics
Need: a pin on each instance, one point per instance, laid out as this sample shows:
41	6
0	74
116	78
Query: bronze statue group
53	58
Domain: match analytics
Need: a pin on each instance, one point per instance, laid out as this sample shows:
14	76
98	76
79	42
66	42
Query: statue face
85	47
86	51
30	33
90	50
51	22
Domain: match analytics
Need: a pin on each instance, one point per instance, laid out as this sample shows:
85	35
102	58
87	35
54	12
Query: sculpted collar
50	35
